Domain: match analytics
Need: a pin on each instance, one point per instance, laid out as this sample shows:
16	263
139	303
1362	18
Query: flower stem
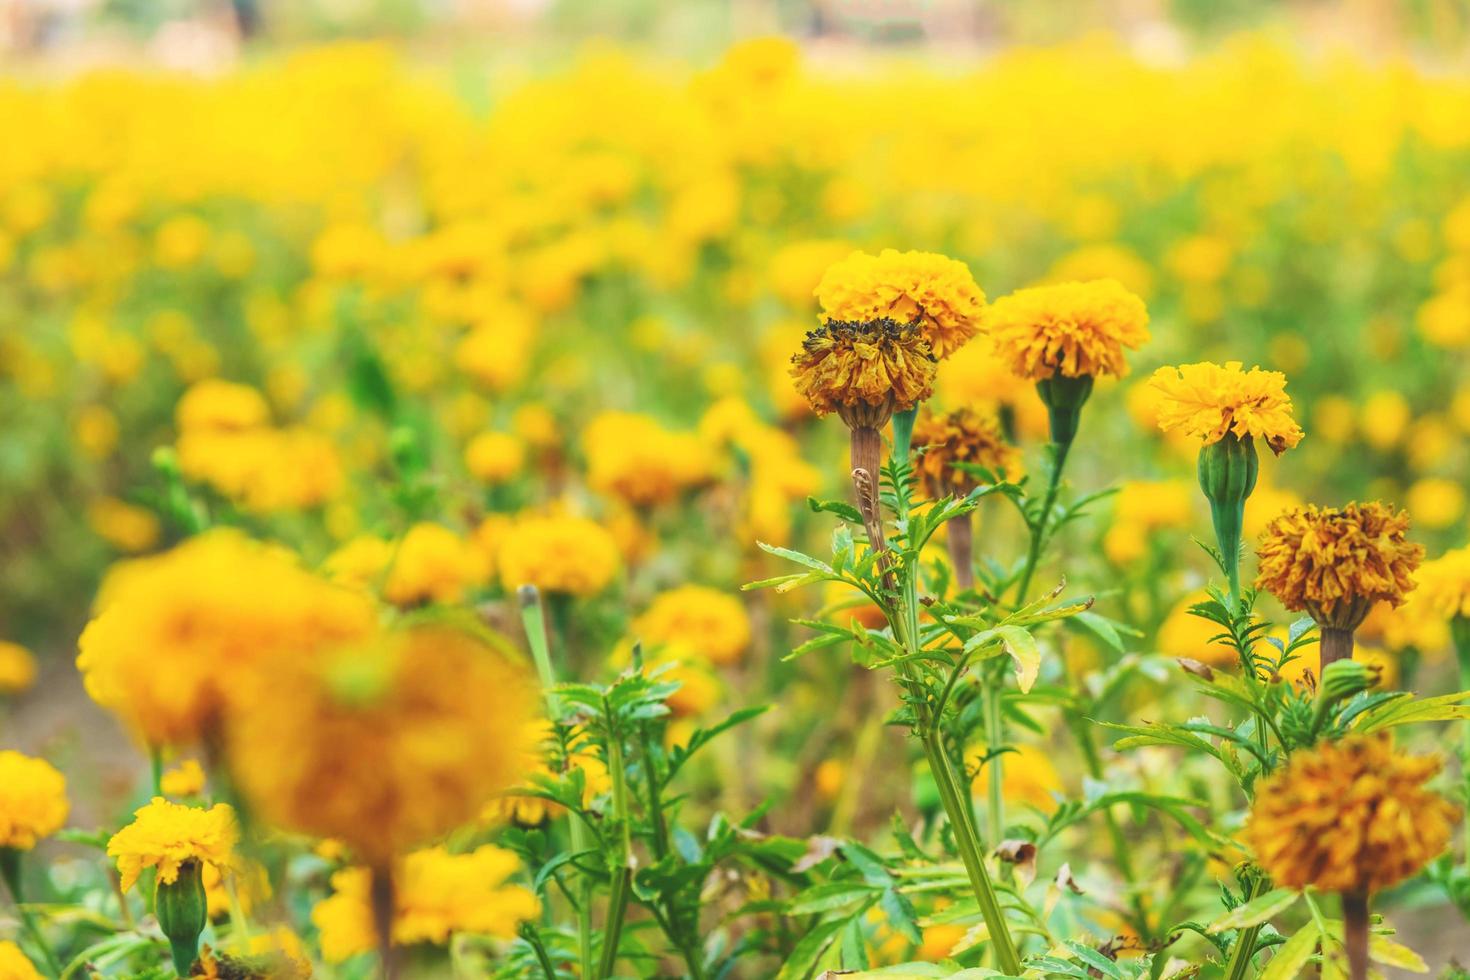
1336	644
1038	527
994	738
1355	933
617	903
1460	631
1245	942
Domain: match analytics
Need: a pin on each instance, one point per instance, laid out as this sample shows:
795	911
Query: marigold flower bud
1228	469
182	911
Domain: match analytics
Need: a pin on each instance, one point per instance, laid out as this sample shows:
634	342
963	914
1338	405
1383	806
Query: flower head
864	370
697	619
1207	401
14	965
961	436
494	457
17	668
565	554
1351	816
1337	562
32	800
1072	329
164	835
635	459
1444	585
934	291
388	744
436	895
433	564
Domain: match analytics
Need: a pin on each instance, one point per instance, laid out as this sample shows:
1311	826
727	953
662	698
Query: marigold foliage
697	619
164	835
1206	400
961	436
436	894
1349	816
33	802
933	290
1330	560
1074	329
529	811
418	729
180	636
845	366
558	554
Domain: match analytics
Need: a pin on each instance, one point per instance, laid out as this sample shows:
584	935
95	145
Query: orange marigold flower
1337	562
1207	400
864	371
1352	816
934	291
961	436
1074	329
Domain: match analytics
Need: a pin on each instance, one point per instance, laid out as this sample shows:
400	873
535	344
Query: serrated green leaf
1257	910
1292	955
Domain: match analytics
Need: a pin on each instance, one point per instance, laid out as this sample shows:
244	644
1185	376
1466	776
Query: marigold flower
180	636
433	564
1072	329
221	406
17	668
436	895
33	801
185	779
164	835
635	459
1352	816
1207	401
934	291
14	965
494	457
1336	562
961	436
359	563
864	370
385	745
571	555
1444	585
697	619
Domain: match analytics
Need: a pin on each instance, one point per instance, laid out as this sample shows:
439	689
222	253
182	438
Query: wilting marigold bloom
1349	816
634	458
1207	401
179	637
571	555
14	965
1072	329
1336	562
697	619
164	835
864	371
388	744
436	895
961	436
33	801
1444	585
933	290
433	564
17	668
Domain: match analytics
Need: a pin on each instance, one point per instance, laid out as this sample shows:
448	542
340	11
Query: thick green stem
1245	943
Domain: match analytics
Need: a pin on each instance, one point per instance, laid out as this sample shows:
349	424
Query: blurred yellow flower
17	668
33	801
1384	419
127	527
433	564
1029	776
185	779
960	436
494	457
1444	585
635	459
570	555
695	618
14	965
1436	502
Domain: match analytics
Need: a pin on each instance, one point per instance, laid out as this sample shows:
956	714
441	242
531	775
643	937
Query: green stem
10	873
994	739
1245	943
1460	631
617	904
1093	760
1038	529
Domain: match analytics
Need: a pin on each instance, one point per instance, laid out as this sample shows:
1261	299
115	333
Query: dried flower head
1207	401
33	801
1072	329
1337	562
164	835
961	436
934	291
1351	816
864	370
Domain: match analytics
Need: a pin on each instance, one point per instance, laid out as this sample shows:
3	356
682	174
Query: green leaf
1405	711
1256	911
832	895
1096	960
843	510
1021	645
1292	955
796	556
809	949
1101	627
1389	953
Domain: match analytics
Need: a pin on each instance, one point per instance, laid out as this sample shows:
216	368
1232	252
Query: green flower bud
1344	678
1227	474
1064	398
182	911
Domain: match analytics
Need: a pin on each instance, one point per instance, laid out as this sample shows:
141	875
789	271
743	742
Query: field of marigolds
790	513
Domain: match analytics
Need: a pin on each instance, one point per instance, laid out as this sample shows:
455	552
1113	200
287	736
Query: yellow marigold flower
935	291
127	527
1337	562
185	779
164	835
1207	401
17	668
1074	329
14	965
359	563
436	895
1444	585
221	406
1349	816
179	637
1436	502
864	371
33	801
385	745
433	564
695	618
571	555
961	436
634	458
494	457
796	269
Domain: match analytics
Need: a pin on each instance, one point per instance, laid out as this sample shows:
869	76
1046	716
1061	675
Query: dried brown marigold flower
1350	816
1336	562
864	370
961	436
